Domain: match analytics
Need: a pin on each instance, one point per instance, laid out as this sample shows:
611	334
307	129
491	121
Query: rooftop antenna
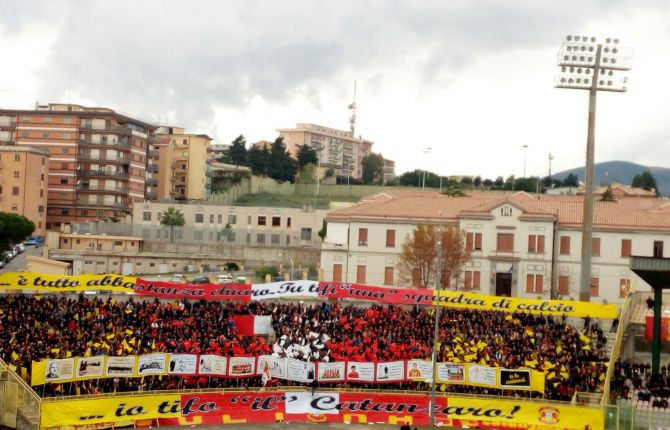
352	117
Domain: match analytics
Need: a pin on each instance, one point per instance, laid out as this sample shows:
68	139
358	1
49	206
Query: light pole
425	152
589	65
436	331
525	152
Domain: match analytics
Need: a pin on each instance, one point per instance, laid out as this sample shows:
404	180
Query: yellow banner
455	299
109	410
470	412
484	376
40	282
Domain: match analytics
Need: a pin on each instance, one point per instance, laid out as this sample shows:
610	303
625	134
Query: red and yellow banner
303	406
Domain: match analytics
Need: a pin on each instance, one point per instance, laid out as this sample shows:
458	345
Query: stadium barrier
19	404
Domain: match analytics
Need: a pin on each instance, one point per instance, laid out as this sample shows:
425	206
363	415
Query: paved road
19	262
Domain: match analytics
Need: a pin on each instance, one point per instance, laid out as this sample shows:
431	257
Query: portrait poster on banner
482	375
276	366
390	371
241	366
420	370
301	371
59	370
151	364
183	364
213	365
330	372
90	367
451	373
120	366
360	371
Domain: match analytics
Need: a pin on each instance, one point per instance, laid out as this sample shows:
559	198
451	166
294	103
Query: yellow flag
55	350
529	332
129	332
12	367
68	354
24	373
586	348
110	336
565	375
508	317
585	339
551	376
559	348
15	356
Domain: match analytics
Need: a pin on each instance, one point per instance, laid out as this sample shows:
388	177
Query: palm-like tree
173	217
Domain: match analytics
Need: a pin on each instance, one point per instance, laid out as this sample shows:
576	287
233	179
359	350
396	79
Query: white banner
90	367
451	373
276	366
151	364
120	366
482	375
317	404
360	371
300	371
390	371
183	364
420	370
330	372
57	370
213	365
283	290
241	366
262	324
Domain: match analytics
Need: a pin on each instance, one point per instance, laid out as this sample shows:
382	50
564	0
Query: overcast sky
471	79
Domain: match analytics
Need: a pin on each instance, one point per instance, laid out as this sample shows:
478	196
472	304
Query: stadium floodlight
587	64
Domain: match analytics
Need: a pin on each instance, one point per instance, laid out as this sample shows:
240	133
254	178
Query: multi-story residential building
101	162
185	165
389	169
336	149
521	245
219	150
24	172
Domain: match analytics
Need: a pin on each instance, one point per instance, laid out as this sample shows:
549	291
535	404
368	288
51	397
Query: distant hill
622	172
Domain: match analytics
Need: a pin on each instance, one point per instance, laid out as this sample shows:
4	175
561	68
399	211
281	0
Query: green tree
281	166
237	153
266	270
231	267
373	169
172	218
571	180
499	182
307	173
477	182
488	183
257	160
608	196
306	155
14	228
646	181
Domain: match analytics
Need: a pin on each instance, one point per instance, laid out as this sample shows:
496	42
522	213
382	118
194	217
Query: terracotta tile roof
629	213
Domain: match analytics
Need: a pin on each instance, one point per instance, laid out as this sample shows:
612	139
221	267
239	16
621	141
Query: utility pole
588	65
525	153
551	157
436	332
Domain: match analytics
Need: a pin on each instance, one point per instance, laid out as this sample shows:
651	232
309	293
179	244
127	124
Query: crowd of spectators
634	381
35	328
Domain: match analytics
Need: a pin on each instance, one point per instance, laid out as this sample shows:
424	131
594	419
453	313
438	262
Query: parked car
178	277
224	279
201	280
34	240
2	263
12	253
241	280
20	248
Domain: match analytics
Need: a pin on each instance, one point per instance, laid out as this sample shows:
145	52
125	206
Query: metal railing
624	319
119	144
27	401
102	173
87	156
116	190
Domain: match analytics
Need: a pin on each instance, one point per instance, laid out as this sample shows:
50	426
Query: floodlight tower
589	65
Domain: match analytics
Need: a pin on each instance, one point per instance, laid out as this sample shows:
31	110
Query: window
17	157
260	238
536	244
249	219
15	191
473	241
540	244
388	275
261	220
276	221
274	239
219	219
472	280
626	245
624	287
24	134
337	273
16	174
199	218
45	134
232	219
41	192
306	234
40	209
63	181
146	216
390	238
506	211
505	242
63	166
67	136
288	222
47	119
211	218
595	247
288	239
42	177
197	235
118	243
478	242
360	274
363	237
248	237
534	283
595	284
467	285
25	119
64	212
565	245
67	120
532	243
658	249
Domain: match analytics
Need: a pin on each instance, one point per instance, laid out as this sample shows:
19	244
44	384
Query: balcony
99	189
88	127
155	139
122	145
7	123
150	195
101	174
152	153
99	202
153	168
7	137
151	181
87	156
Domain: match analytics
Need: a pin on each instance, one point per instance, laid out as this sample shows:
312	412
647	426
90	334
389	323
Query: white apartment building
521	245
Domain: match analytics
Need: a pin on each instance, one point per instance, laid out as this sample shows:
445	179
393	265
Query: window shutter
531	243
540	244
530	283
337	273
539	279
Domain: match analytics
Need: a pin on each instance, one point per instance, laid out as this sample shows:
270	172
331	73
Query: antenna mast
551	157
352	117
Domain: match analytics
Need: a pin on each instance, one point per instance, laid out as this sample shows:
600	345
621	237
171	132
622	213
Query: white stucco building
522	245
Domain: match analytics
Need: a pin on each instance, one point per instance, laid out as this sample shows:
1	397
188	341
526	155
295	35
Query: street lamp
436	330
589	65
425	152
525	152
